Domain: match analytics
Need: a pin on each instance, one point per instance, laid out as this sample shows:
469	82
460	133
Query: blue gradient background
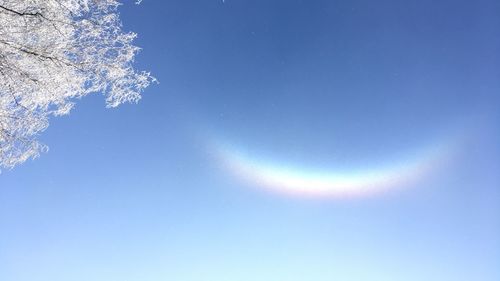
134	194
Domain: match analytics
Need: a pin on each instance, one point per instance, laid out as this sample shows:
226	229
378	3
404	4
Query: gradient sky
139	193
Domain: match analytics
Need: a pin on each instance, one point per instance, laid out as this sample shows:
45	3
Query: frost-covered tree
53	52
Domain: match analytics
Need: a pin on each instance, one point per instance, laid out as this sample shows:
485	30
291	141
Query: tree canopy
53	52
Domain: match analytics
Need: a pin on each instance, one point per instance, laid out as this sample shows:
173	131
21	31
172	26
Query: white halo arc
295	180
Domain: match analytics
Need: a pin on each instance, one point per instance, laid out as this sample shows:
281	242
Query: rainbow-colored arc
328	182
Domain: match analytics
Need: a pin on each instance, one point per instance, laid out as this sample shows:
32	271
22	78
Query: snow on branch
53	52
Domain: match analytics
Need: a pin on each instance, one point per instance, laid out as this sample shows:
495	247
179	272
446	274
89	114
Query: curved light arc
297	180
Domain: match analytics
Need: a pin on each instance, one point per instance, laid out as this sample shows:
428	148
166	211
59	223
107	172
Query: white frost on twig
53	52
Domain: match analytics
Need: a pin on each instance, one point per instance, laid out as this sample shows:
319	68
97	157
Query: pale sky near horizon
224	171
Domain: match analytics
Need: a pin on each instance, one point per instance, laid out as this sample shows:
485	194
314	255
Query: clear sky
239	165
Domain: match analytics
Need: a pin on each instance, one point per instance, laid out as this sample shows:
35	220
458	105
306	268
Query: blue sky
139	192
